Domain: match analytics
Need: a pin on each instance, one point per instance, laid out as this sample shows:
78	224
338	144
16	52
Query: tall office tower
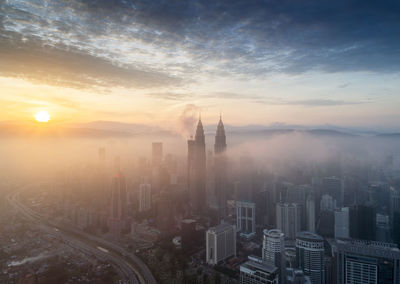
395	214
310	213
255	271
144	197
246	218
310	256
220	243
220	164
362	222
102	154
327	203
190	168
359	261
197	170
288	219
334	187
265	208
342	228
394	200
156	154
382	228
273	250
117	217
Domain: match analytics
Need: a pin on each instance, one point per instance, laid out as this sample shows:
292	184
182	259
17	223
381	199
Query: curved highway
131	268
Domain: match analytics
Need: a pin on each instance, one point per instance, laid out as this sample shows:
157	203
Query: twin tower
197	171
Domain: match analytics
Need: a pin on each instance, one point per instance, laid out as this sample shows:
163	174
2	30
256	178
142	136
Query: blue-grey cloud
167	42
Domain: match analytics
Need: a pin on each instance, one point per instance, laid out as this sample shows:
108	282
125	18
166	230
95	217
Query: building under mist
197	170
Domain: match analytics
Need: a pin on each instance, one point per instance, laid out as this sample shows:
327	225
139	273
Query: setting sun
42	116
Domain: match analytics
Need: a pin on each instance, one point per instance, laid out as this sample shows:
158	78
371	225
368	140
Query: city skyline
258	63
207	142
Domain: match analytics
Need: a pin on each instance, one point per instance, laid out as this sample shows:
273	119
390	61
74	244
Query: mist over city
207	142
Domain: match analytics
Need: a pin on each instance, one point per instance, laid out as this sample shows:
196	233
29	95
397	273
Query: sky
258	62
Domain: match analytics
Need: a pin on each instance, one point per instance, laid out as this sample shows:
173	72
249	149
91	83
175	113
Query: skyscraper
220	243
362	222
117	217
342	223
220	169
310	213
245	218
310	256
197	170
359	261
288	219
144	197
273	250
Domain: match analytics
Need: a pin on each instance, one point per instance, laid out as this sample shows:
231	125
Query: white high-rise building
256	271
310	256
310	213
246	218
144	197
342	229
288	219
220	243
273	250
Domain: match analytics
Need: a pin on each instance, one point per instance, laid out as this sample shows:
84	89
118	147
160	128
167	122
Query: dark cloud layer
218	38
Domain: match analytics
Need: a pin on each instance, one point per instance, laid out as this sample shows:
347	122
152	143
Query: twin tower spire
220	138
197	165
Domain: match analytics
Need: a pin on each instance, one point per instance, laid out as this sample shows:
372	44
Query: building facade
117	218
288	219
359	261
220	243
220	167
310	256
246	218
342	229
197	170
255	271
144	197
273	250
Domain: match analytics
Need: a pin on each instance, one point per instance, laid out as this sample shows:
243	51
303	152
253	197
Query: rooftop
309	236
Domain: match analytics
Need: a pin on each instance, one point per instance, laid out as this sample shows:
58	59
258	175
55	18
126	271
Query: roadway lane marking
103	249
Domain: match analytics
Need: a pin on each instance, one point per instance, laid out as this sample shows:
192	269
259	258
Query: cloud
64	66
140	44
170	96
187	120
308	102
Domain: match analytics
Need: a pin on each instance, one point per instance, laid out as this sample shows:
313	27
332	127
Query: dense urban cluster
212	218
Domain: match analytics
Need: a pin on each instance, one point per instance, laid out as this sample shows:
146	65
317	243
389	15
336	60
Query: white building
342	223
310	256
273	250
255	271
288	219
220	243
144	197
246	218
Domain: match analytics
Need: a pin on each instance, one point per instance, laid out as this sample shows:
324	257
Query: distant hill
99	129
